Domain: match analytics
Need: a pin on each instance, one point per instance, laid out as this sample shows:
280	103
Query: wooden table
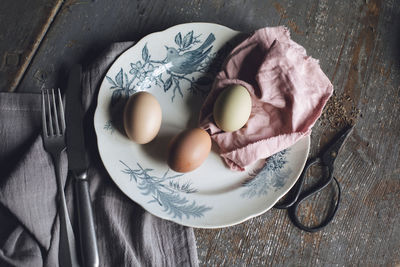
358	44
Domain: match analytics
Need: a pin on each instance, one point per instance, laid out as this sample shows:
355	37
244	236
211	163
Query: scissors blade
329	157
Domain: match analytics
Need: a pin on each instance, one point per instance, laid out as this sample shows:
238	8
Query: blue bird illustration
189	61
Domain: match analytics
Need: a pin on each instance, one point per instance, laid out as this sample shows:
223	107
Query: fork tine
56	123
44	123
61	112
49	114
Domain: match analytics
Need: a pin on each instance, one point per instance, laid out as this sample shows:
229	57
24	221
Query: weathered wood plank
357	43
356	49
84	28
23	24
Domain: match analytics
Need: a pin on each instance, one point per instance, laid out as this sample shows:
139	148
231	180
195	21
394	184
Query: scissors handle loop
297	196
292	211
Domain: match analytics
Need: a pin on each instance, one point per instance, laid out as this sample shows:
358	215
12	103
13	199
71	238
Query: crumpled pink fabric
288	91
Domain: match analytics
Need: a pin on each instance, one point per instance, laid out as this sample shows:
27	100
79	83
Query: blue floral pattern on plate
272	176
166	192
171	72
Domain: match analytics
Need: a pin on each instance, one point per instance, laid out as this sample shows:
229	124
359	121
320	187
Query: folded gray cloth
29	226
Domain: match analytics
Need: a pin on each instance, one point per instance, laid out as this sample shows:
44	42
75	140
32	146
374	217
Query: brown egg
188	150
142	117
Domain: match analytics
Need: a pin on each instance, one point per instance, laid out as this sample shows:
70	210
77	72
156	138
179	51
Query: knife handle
87	234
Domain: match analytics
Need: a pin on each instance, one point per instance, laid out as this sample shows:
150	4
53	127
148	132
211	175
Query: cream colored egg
142	117
232	108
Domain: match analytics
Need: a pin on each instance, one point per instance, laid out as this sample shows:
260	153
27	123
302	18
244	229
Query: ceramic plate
212	195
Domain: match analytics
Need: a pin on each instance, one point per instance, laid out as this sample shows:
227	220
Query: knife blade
78	165
77	160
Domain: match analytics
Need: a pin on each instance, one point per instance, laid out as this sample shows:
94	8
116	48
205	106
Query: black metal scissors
296	196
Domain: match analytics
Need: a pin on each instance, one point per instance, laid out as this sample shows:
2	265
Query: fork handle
67	251
87	232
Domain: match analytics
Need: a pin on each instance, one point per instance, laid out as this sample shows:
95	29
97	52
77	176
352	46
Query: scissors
296	196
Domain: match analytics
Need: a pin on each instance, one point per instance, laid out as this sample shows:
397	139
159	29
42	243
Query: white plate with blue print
211	196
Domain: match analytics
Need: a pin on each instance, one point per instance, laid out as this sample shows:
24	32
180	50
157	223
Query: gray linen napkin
29	226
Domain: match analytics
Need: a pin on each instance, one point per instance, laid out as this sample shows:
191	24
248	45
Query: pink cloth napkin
288	91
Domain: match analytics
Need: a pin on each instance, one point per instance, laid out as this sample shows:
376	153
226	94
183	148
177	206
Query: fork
53	134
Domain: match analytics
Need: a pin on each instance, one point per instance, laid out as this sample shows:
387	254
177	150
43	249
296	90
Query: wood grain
356	50
357	43
23	27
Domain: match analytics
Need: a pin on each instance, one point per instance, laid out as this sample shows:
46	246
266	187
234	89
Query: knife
78	165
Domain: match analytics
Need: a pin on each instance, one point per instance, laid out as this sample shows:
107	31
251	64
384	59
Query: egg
188	150
142	117
232	108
